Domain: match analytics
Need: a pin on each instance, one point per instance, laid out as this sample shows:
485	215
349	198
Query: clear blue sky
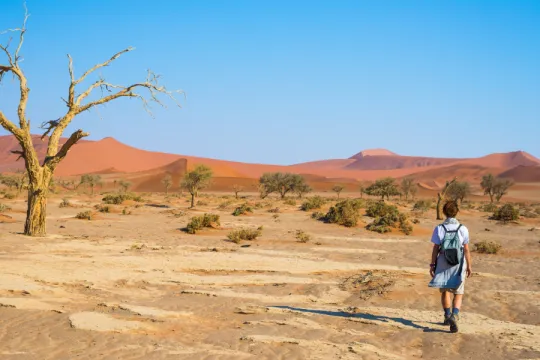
290	81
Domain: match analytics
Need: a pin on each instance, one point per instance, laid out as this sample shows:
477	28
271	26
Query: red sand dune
114	159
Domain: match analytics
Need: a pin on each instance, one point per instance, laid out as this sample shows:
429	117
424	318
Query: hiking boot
453	321
446	319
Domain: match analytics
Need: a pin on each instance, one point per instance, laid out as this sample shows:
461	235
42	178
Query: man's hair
450	209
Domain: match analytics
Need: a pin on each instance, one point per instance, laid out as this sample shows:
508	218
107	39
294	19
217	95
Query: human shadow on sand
365	316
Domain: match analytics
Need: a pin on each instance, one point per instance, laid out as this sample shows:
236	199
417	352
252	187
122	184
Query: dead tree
441	197
40	174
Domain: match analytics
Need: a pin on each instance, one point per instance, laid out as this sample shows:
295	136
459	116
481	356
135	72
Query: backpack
451	246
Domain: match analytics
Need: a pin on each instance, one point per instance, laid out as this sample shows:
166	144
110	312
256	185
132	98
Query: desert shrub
537	210
489	208
85	215
290	202
317	215
65	203
202	203
4	207
302	236
344	213
243	209
422	205
244	234
118	199
275	216
529	214
258	205
199	222
224	205
506	213
312	203
487	247
274	210
9	196
387	217
125	211
103	208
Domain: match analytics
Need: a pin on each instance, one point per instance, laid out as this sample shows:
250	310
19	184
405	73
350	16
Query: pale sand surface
137	287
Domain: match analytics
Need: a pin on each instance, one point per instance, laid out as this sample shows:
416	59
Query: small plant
65	203
202	203
85	215
528	213
317	215
313	203
274	211
4	207
275	216
205	221
506	213
225	205
290	202
243	209
244	234
302	236
104	208
9	196
487	247
422	205
125	211
489	208
344	213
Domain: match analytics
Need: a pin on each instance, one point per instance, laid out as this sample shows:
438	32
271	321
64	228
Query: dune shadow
365	316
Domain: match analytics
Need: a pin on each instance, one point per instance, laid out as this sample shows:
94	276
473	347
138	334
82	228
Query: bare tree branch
106	63
53	161
49	126
20	153
11	127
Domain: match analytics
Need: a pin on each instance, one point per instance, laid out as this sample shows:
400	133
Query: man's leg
453	320
446	303
458	299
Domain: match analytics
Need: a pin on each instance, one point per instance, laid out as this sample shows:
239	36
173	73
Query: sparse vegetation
9	196
243	209
317	215
103	208
167	183
506	213
313	203
91	181
65	203
4	207
237	189
302	236
244	234
344	213
458	191
202	203
124	185
85	215
225	205
495	187
407	187
118	199
487	247
422	205
196	180
274	210
302	189
384	188
290	202
125	211
489	208
205	221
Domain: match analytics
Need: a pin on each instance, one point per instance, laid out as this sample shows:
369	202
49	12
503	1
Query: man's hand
469	271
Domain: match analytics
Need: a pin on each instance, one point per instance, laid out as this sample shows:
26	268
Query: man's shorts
459	291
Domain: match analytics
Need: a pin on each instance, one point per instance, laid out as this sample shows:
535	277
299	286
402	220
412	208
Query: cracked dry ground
136	287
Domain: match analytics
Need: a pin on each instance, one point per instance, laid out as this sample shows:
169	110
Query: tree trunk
36	212
439	207
192	200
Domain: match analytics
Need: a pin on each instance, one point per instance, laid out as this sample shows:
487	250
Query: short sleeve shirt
438	233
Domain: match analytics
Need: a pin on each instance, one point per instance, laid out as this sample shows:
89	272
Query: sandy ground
138	287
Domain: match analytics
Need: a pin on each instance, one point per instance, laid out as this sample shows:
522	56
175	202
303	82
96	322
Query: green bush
344	213
302	236
506	213
487	247
103	208
290	202
118	199
4	207
85	215
489	208
387	217
422	205
244	234
243	209
205	221
312	203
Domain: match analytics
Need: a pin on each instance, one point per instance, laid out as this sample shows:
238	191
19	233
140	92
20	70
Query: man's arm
434	255
468	258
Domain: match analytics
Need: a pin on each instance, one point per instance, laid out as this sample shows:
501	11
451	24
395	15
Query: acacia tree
167	182
459	190
77	102
282	183
407	186
338	189
91	181
195	180
385	187
124	185
302	189
237	189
